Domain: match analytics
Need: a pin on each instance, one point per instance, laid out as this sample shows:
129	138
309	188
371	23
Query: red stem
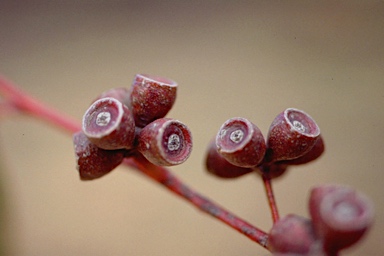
26	104
172	183
271	198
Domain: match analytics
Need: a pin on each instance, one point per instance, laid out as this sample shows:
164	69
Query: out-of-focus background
231	58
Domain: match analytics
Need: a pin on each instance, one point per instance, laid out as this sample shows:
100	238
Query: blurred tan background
231	58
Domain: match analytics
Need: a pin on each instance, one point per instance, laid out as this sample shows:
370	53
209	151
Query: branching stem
271	198
18	101
172	183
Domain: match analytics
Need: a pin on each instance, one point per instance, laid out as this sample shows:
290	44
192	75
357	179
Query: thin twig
271	198
26	104
173	184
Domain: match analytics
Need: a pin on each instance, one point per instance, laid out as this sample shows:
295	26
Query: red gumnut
241	142
92	161
340	215
218	166
165	142
121	94
316	151
292	134
151	98
292	234
273	170
109	124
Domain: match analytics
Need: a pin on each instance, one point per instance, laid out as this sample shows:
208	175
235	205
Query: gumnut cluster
339	215
240	147
125	122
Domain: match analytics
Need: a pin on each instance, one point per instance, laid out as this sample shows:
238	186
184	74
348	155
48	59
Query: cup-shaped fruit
217	165
120	93
93	162
151	98
165	142
315	152
291	135
292	234
109	124
241	142
340	215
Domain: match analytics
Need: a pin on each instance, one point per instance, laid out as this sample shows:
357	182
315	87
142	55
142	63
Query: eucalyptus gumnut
292	234
151	98
217	165
165	142
241	142
109	124
340	214
315	152
292	134
93	162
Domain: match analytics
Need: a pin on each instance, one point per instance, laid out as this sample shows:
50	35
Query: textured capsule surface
151	98
109	124
292	134
93	162
165	141
241	142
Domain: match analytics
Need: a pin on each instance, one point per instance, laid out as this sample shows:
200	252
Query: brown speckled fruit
217	165
240	142
292	134
165	142
109	124
93	162
151	98
316	151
